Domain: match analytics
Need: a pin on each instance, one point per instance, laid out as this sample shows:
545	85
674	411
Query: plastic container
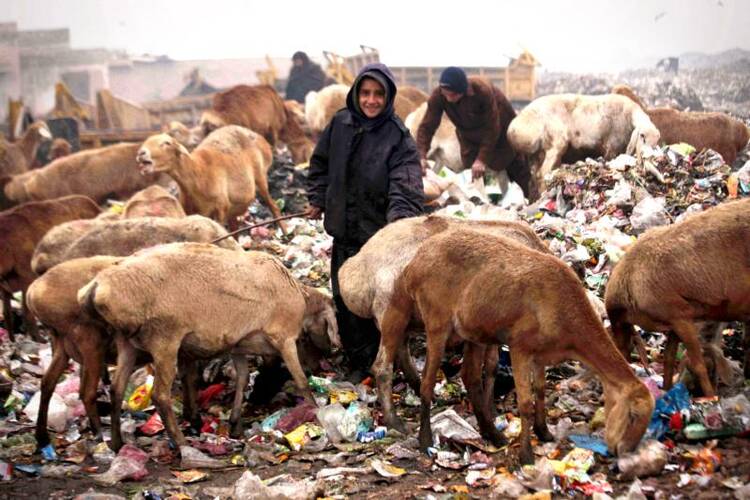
141	397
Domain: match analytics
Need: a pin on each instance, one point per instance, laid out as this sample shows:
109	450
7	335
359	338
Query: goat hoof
496	438
397	424
526	456
544	434
425	442
192	430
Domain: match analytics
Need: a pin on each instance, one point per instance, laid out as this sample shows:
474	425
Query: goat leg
49	382
406	364
291	359
189	376
242	371
382	368
8	315
437	336
522	374
125	364
473	367
92	353
165	370
540	413
640	346
688	333
670	359
491	358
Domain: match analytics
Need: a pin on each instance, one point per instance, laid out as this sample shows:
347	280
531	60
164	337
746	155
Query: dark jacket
365	172
303	79
481	118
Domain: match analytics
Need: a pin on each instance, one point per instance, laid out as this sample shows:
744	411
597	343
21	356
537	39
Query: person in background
481	114
304	76
364	173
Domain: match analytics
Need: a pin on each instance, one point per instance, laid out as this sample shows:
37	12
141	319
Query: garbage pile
725	89
339	447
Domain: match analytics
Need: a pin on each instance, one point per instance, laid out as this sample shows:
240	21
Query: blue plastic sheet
595	444
676	400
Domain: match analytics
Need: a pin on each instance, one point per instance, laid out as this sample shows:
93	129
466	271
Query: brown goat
96	173
77	335
492	290
20	230
262	110
202	300
59	148
415	95
154	201
390	250
53	300
17	157
674	276
123	237
220	177
716	131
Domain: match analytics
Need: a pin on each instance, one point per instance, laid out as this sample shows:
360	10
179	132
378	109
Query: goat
492	290
202	300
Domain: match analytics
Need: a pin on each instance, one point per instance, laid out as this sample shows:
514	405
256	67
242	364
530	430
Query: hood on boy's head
380	73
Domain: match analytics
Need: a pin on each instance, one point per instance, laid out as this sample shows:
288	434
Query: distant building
32	61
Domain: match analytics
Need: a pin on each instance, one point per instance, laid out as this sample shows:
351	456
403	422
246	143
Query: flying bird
659	16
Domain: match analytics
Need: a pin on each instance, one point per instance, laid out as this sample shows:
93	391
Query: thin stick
264	223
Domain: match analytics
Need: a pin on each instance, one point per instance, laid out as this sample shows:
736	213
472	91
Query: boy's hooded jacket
365	172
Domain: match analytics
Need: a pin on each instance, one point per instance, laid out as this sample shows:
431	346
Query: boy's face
371	97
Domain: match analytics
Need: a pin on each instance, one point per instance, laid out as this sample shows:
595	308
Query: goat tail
5	202
632	148
87	299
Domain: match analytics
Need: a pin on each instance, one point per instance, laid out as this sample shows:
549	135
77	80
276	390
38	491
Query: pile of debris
592	211
725	89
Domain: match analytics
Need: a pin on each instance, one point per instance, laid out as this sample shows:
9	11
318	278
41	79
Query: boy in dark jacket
364	173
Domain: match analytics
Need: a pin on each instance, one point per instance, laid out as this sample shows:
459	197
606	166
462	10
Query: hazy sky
591	35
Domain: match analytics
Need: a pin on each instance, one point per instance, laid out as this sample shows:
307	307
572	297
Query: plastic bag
297	416
196	459
251	487
649	459
357	418
330	417
141	397
57	412
649	213
130	463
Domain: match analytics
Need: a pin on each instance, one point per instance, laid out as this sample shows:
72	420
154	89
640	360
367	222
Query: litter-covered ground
593	210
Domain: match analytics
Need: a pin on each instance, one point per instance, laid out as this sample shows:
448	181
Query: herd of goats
162	282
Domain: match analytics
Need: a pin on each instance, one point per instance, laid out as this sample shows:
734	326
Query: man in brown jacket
481	114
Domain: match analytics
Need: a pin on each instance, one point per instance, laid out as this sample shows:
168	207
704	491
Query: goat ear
633	144
181	150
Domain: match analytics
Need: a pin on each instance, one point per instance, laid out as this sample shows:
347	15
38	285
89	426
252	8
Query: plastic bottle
368	437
